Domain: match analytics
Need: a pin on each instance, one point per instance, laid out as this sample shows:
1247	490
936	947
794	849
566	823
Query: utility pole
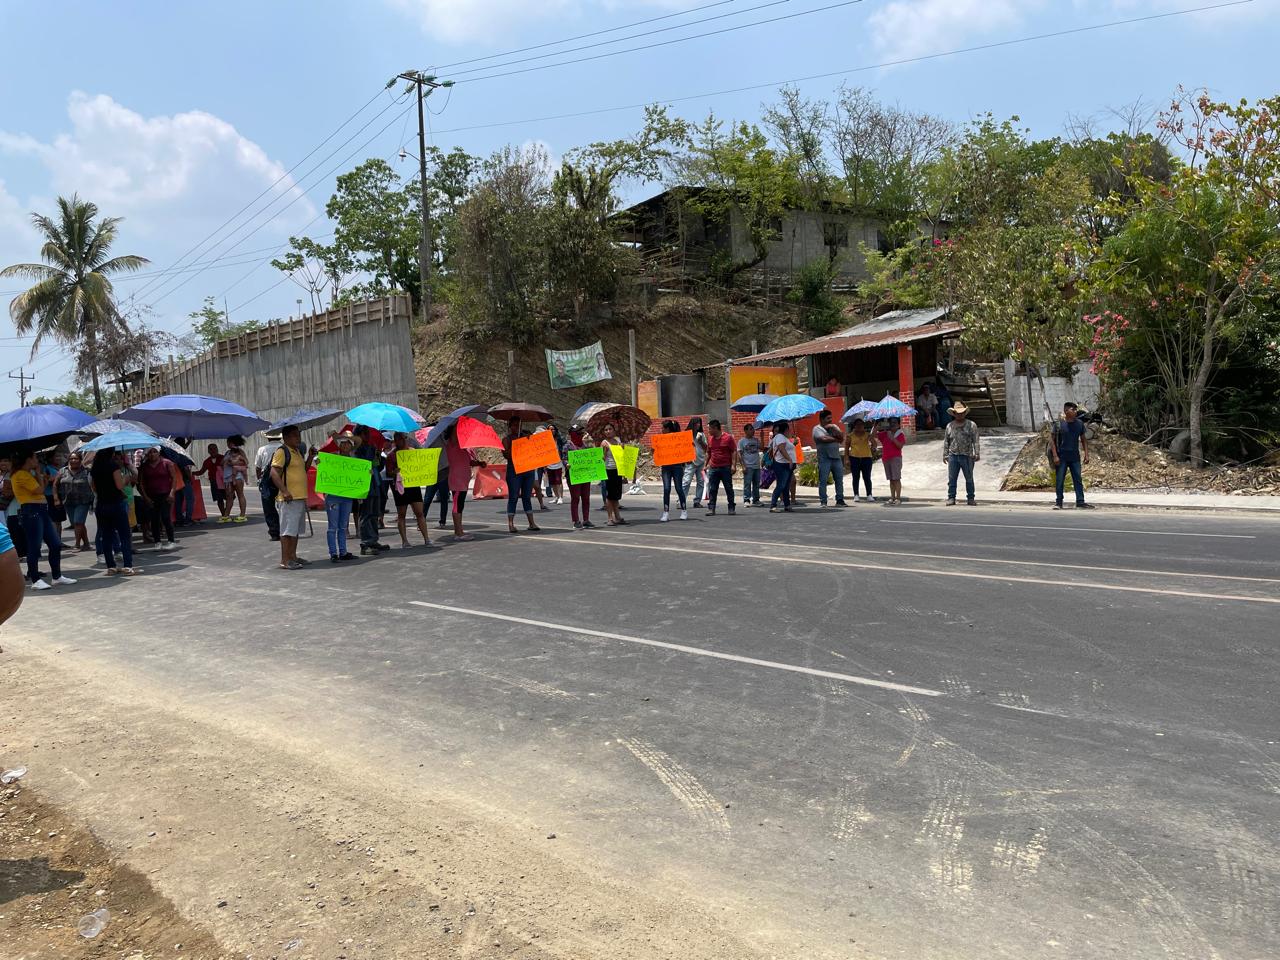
23	389
424	85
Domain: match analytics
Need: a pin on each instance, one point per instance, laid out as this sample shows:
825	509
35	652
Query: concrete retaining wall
1083	388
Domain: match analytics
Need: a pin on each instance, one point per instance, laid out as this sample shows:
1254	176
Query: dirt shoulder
282	847
53	872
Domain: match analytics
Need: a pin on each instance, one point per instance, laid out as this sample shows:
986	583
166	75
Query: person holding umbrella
783	451
76	491
861	457
370	507
337	510
405	497
892	440
109	481
519	485
37	526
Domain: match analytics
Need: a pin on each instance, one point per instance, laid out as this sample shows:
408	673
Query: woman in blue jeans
111	508
37	525
519	485
783	451
337	510
672	476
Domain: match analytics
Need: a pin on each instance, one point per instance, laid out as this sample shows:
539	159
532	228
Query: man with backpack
1069	448
266	488
288	474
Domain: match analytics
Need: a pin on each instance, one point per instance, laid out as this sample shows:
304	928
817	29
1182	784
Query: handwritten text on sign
587	466
530	453
418	468
670	449
627	461
343	476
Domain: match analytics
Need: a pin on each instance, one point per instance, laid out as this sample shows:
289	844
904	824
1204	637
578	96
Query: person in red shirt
721	453
212	467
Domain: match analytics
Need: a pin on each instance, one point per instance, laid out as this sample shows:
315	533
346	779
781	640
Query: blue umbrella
191	415
385	416
753	402
859	411
794	406
890	408
41	425
303	418
477	411
132	440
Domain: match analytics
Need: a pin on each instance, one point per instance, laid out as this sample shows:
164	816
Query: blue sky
175	115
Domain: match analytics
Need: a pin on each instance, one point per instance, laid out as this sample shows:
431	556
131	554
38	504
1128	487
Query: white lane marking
684	786
1028	526
885	568
773	544
681	648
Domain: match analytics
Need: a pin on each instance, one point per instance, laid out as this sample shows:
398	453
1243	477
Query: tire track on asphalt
697	800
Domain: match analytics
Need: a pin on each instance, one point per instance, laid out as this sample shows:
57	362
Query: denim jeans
860	467
692	473
338	512
438	491
1071	464
720	476
37	525
672	476
370	514
520	487
186	502
959	463
750	484
113	527
269	510
782	483
161	517
833	466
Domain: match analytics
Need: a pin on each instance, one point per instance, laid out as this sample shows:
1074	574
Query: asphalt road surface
890	732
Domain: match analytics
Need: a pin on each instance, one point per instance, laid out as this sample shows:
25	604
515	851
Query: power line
299	193
278	179
634	36
583	36
662	43
849	70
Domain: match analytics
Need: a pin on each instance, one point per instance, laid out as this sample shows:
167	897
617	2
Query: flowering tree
1197	259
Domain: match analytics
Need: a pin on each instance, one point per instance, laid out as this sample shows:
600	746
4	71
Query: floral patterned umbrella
629	422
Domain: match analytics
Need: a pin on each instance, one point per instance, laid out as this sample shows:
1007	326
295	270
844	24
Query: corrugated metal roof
900	326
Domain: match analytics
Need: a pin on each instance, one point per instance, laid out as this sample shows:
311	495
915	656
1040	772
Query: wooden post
511	375
631	348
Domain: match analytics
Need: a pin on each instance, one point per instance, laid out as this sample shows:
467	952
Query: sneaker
971	503
775	509
684	514
224	519
1084	506
441	524
665	517
380	547
756	503
732	511
588	525
40	585
241	519
1058	505
868	499
367	551
842	503
951	501
577	526
711	511
347	556
169	546
64	581
334	558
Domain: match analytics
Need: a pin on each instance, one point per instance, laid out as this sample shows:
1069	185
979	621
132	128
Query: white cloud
909	28
170	176
463	21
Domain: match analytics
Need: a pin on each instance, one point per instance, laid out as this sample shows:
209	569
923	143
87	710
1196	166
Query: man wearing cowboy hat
961	449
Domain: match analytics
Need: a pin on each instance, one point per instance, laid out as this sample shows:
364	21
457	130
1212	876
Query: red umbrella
376	440
524	412
473	433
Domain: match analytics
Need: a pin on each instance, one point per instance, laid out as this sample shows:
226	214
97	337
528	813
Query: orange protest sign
530	453
670	449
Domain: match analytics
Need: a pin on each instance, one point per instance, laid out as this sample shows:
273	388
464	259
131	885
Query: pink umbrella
473	433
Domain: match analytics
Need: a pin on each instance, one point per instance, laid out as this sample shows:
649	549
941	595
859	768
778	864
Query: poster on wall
577	368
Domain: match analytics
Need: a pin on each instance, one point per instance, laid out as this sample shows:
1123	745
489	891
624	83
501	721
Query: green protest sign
627	462
418	468
575	368
587	466
343	476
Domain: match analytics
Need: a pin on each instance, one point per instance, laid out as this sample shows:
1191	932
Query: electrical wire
661	43
582	36
922	58
278	179
634	36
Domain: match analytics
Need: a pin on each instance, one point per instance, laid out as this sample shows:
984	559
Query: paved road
901	732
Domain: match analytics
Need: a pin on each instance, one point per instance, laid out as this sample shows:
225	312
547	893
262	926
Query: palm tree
72	298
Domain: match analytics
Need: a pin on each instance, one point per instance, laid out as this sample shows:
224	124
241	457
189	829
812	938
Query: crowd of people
153	491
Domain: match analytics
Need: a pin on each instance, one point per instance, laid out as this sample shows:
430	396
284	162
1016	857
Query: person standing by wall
782	450
1069	449
749	457
110	483
961	449
266	490
721	451
289	476
828	439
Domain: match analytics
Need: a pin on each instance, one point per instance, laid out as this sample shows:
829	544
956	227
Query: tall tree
72	299
1197	260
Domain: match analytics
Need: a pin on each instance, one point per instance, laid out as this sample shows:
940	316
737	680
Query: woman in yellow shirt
861	458
37	525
